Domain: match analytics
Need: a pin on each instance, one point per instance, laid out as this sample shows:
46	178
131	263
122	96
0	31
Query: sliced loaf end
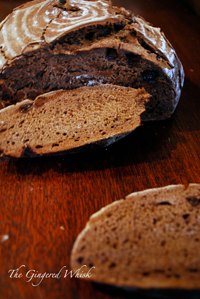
149	240
63	120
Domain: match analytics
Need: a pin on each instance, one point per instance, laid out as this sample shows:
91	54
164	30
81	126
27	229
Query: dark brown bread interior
149	240
114	53
64	120
45	71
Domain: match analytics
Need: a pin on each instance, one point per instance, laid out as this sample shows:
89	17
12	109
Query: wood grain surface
45	202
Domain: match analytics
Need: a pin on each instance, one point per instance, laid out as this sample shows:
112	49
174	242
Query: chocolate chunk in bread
64	120
149	240
82	44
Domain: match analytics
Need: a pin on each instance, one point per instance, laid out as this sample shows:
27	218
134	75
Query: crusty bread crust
83	43
149	240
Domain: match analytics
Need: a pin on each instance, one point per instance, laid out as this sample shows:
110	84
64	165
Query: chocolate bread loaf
48	45
149	240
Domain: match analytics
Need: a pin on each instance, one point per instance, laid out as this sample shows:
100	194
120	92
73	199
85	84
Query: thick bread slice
149	240
64	120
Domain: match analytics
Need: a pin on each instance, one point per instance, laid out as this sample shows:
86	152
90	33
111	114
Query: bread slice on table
64	120
149	240
50	45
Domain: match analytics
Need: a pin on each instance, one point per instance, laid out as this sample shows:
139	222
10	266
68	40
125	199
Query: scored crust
65	47
149	240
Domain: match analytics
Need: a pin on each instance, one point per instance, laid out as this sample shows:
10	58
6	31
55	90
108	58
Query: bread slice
149	240
49	45
64	120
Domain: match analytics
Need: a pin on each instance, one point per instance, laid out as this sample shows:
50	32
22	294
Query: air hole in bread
109	215
114	245
3	130
132	59
118	26
90	35
55	144
112	265
163	243
80	260
146	273
111	54
155	221
186	217
150	76
21	123
194	201
164	203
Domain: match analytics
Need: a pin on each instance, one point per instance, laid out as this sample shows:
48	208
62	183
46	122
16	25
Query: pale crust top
41	21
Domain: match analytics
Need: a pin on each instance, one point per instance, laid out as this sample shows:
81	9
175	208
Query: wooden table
45	202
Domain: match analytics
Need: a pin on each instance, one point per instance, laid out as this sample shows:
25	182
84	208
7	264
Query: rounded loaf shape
50	45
